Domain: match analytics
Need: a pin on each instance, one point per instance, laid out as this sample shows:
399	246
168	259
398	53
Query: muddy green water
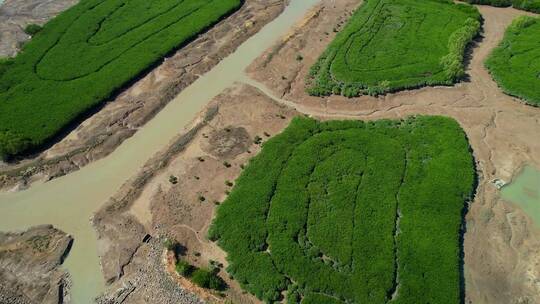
69	202
524	191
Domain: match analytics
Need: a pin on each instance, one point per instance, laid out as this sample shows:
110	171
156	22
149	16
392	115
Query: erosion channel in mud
69	202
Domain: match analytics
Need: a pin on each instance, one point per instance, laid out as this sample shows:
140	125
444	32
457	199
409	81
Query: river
69	202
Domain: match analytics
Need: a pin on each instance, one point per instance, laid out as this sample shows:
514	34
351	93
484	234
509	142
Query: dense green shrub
184	268
201	277
526	5
341	211
10	144
207	279
33	29
390	45
5	63
86	54
514	63
317	298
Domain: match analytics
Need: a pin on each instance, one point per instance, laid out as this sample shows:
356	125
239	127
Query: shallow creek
69	202
524	191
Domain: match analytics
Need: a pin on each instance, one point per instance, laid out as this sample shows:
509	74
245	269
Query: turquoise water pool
524	191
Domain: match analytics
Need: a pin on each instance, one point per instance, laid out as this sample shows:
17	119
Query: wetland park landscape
270	152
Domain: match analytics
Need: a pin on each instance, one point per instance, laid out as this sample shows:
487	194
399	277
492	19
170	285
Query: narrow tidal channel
69	202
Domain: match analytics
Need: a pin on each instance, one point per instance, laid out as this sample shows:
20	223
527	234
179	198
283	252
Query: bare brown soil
15	15
120	118
30	266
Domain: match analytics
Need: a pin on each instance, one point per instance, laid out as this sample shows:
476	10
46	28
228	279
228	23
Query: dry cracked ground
502	244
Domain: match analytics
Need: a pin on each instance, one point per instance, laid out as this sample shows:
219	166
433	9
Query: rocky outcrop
30	266
147	281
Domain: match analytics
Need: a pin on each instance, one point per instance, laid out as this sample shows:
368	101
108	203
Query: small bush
257	140
207	279
33	29
184	268
170	244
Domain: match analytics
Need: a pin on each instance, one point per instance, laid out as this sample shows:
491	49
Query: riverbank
101	133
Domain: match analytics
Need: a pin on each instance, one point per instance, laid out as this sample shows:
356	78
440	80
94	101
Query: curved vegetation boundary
351	212
85	55
390	45
515	63
526	5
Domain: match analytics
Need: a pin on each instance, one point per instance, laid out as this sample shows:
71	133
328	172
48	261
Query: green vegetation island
351	212
390	45
515	63
526	5
88	54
